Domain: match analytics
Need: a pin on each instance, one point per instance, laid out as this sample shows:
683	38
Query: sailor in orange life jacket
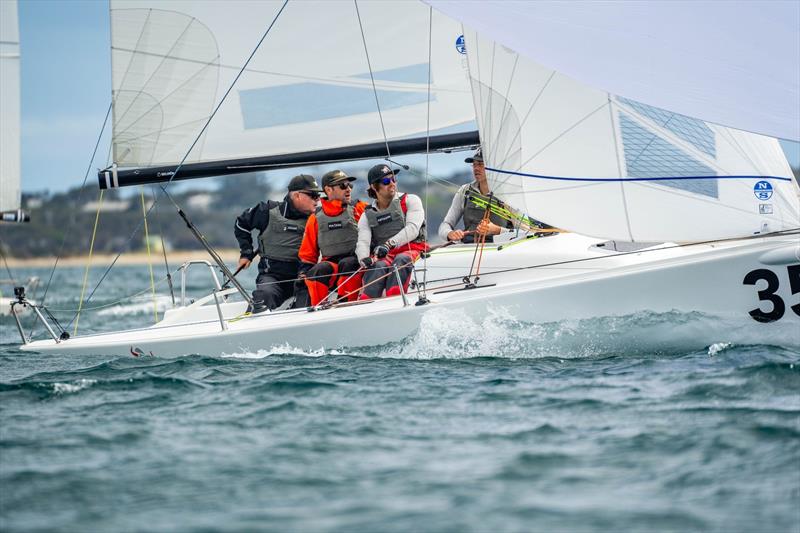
393	228
331	232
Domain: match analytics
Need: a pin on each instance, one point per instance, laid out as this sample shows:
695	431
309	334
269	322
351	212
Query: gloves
381	251
366	262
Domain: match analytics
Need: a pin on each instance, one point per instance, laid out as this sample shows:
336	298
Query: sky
66	91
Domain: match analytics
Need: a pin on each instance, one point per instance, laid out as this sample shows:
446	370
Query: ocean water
494	425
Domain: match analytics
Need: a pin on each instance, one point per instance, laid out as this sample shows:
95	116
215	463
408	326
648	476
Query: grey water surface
494	425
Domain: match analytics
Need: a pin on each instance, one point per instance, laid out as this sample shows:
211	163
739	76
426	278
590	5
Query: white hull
582	281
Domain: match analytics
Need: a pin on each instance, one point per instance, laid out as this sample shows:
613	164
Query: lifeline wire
177	169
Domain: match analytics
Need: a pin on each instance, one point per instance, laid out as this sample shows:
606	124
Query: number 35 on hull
773	307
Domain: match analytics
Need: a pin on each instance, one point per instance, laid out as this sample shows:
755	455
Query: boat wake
445	334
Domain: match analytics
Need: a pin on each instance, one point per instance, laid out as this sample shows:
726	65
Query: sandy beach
175	258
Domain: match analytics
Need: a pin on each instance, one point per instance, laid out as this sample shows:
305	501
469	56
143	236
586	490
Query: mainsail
308	88
588	161
10	194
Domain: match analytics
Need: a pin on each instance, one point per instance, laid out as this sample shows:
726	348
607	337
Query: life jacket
336	235
473	214
283	236
386	223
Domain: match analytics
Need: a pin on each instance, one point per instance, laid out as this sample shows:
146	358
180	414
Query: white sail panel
730	62
589	162
9	107
307	88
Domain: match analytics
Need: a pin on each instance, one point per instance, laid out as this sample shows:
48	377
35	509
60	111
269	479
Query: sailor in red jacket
331	232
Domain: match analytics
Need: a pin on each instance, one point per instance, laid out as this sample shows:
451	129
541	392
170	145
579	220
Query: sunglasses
312	195
389	179
345	186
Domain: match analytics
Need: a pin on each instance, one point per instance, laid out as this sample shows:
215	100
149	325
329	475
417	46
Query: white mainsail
9	107
593	163
307	88
730	62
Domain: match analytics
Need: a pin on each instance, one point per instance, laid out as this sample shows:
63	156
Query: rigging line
793	231
115	302
149	256
80	202
88	261
163	248
10	274
423	297
372	77
199	135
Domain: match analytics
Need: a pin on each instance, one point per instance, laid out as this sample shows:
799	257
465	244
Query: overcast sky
66	91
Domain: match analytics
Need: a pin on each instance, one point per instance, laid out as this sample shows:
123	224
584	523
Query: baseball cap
378	172
335	177
304	182
478	156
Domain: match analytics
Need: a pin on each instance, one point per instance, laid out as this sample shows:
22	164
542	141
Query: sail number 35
768	294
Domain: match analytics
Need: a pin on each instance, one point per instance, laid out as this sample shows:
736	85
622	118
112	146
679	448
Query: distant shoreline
174	257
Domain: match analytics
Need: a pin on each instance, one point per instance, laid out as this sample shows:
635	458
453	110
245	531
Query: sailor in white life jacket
393	230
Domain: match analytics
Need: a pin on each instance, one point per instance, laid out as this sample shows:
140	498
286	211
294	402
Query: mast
112	178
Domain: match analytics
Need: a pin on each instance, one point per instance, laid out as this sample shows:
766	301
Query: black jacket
257	218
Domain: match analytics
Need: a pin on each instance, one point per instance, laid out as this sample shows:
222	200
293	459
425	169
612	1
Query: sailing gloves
381	251
367	262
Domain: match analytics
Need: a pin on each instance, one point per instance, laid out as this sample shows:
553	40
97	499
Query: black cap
378	172
335	177
477	157
304	182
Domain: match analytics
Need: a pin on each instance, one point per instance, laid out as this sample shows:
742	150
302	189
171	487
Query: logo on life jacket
291	227
384	218
335	225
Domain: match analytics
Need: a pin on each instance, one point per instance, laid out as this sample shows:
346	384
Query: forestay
730	62
9	107
584	160
307	88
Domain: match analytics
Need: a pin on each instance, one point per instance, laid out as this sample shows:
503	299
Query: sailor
331	232
469	204
281	226
393	229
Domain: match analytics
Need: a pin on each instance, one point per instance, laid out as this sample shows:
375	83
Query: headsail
582	159
729	62
309	87
10	193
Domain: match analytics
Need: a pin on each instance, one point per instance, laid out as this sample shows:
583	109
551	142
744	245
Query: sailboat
661	212
10	192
